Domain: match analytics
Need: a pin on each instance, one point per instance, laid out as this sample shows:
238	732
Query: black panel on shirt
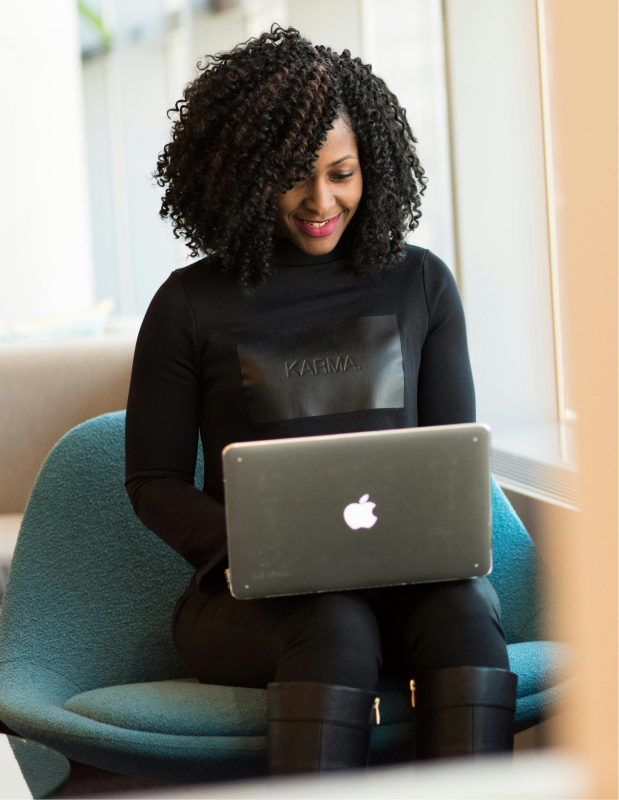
333	368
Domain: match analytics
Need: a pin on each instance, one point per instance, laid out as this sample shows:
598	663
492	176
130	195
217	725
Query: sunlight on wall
45	248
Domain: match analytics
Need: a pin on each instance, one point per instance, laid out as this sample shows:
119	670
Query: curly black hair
250	125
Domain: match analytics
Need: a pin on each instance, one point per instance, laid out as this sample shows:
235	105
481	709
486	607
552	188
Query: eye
342	177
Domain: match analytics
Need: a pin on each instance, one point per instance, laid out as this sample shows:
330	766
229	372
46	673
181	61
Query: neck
287	253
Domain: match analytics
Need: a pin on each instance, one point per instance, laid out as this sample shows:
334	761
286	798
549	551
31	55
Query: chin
319	247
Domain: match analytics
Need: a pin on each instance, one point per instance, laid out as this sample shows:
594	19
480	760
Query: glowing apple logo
360	515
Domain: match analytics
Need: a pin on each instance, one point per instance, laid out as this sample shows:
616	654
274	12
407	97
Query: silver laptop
358	510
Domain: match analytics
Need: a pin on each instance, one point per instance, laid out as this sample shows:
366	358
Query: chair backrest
91	590
519	576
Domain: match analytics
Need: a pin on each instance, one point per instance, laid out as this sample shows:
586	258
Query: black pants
342	638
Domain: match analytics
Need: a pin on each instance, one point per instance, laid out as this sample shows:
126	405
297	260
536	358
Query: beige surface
9	529
48	387
582	50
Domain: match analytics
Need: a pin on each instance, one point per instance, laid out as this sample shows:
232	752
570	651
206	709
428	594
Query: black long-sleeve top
316	351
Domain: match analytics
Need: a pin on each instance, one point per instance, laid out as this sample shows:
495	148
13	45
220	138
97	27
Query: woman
294	170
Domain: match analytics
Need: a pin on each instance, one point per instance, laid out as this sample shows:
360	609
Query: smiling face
315	212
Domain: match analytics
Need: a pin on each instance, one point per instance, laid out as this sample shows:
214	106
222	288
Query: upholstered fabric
519	576
183	707
539	665
87	663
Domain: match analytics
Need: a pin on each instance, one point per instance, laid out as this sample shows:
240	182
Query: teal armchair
87	662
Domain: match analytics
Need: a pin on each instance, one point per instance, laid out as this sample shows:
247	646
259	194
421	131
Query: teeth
317	224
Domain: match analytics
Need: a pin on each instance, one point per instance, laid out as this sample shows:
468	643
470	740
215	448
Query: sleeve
161	439
445	391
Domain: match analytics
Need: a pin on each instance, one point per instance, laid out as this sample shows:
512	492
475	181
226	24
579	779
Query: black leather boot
314	727
464	711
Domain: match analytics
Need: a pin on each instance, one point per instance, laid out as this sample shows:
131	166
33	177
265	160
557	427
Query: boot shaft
315	727
464	711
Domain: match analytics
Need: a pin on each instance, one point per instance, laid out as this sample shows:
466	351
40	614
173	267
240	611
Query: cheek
286	203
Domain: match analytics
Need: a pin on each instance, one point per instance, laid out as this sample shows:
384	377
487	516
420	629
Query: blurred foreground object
580	39
526	775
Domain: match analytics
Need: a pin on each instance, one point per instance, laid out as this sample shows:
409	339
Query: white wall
45	258
332	23
501	208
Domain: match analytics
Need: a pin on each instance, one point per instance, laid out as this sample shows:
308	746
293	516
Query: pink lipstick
319	227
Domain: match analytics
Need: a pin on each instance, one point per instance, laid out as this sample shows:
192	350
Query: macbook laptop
358	510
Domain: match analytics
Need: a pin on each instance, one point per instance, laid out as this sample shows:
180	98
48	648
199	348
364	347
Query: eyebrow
339	161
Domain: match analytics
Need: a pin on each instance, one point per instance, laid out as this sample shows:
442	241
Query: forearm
188	520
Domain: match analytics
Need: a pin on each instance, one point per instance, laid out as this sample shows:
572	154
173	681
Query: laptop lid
358	510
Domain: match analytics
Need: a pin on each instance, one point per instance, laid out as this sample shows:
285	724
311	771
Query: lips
319	228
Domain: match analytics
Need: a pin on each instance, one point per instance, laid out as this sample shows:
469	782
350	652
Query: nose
320	199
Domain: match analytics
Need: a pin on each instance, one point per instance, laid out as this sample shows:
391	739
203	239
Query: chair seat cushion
187	708
183	707
540	665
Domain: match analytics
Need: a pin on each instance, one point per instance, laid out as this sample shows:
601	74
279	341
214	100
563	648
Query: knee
458	624
344	620
334	639
462	599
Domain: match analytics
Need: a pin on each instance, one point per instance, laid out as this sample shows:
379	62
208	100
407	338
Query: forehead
340	142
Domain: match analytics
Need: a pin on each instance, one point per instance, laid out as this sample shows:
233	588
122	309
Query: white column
45	250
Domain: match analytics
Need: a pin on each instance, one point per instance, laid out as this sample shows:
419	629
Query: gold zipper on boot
377	710
412	685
